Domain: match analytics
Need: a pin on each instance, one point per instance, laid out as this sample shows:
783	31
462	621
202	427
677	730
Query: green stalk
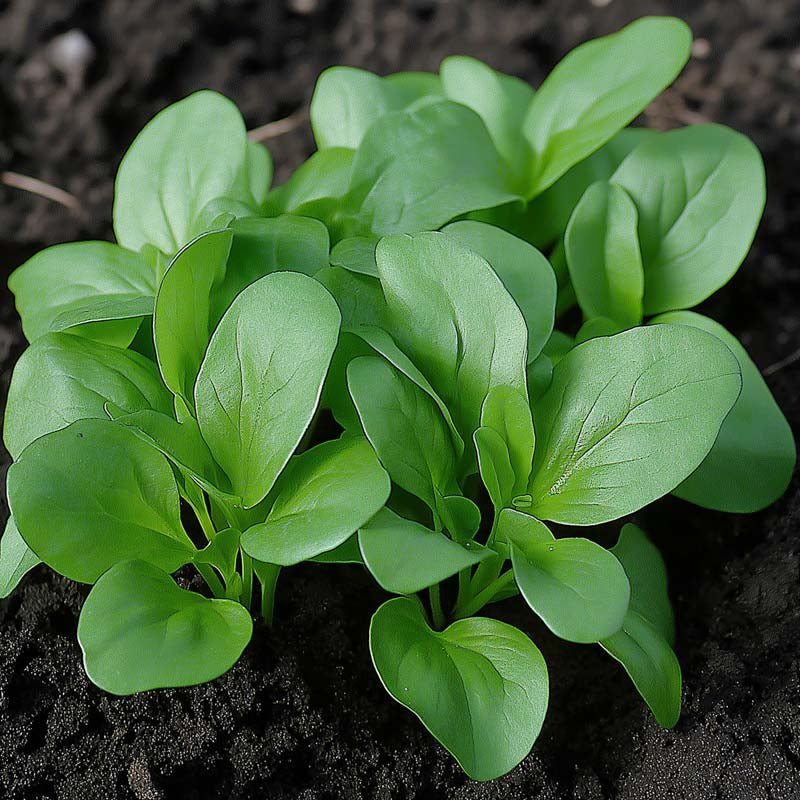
476	603
246	597
268	578
436	607
210	577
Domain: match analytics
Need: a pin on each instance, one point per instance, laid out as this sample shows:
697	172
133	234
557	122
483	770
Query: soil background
303	715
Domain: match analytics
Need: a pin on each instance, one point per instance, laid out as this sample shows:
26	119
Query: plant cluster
405	281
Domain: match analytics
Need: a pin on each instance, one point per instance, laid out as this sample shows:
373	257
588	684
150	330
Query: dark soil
302	715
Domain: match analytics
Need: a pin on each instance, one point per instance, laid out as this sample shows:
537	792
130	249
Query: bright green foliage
373	365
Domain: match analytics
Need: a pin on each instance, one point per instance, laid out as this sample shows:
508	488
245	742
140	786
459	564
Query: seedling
407	279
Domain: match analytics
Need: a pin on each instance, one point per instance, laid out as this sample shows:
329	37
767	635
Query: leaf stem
246	598
210	577
436	607
476	603
268	580
463	586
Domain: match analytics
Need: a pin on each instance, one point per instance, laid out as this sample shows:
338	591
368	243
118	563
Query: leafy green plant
362	366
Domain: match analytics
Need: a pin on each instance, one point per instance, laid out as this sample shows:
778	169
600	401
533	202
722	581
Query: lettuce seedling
407	279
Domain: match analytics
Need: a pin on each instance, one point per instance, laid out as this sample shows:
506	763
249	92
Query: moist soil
302	715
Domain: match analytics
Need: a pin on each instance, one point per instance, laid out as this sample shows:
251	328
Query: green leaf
460	516
181	442
577	587
480	686
494	465
597	89
222	552
418	169
359	297
753	458
524	271
597	326
92	495
347	101
696	224
605	263
16	559
500	100
259	384
188	155
506	411
651	665
258	172
183	320
648	578
540	374
324	496
455	320
626	419
404	425
356	254
84	282
139	631
62	378
405	557
346	553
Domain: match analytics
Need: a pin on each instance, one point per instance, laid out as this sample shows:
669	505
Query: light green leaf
16	559
577	587
480	686
222	552
597	89
258	172
454	319
259	383
651	665
626	419
605	263
420	168
346	553
356	254
188	155
139	631
405	557
506	411
500	100
347	101
183	319
92	495
460	516
597	326
696	224
405	427
84	282
494	465
324	496
359	297
524	271
754	456
62	378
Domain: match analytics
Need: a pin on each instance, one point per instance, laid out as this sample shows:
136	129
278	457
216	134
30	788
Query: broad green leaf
648	578
356	254
359	297
347	101
605	263
183	320
16	559
181	442
258	172
261	378
315	187
190	154
500	100
524	271
506	411
626	419
139	631
651	665
480	686
494	465
336	395
84	282
62	378
558	345
405	427
577	587
460	516
546	216
597	326
346	553
405	557
696	222
91	495
540	374
597	89
324	496
754	456
221	552
455	320
418	169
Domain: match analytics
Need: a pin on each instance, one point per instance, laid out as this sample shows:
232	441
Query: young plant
408	278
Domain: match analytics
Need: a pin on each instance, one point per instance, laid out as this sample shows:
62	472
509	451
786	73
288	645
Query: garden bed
303	714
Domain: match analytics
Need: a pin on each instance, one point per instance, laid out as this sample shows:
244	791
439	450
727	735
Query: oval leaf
139	631
92	495
261	378
480	686
626	419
